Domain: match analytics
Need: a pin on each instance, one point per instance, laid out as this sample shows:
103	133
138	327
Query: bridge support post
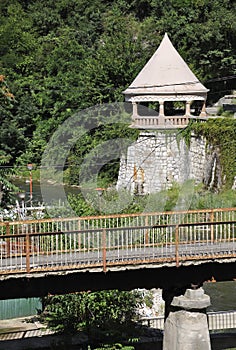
186	326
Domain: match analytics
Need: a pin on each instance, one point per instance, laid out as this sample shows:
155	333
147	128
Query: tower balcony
160	122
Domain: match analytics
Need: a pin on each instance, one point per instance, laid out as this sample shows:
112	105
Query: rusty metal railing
118	220
106	247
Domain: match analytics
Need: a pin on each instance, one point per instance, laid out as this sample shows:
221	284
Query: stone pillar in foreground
186	327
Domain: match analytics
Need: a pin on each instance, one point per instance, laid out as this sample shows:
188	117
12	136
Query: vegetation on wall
220	133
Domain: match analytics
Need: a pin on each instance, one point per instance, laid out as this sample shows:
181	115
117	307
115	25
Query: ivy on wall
221	134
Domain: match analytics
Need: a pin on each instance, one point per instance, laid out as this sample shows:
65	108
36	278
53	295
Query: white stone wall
157	160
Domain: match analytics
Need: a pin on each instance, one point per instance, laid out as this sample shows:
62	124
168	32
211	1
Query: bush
104	315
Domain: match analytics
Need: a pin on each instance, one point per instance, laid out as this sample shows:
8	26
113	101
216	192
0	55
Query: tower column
135	113
161	117
135	109
187	108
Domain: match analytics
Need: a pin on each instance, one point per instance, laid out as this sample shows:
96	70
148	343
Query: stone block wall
158	159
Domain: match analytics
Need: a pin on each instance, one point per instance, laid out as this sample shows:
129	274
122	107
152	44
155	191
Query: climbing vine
221	134
185	134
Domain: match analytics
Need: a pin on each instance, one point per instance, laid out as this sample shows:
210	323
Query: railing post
177	245
27	248
212	226
104	251
79	235
8	250
146	231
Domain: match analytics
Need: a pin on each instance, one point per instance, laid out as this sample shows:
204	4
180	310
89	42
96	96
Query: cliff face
158	159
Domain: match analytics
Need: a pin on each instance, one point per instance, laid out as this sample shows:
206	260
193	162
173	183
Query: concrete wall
158	159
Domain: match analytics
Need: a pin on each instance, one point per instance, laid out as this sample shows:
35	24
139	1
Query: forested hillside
61	56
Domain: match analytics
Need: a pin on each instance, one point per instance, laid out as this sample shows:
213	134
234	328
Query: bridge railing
221	320
105	247
118	220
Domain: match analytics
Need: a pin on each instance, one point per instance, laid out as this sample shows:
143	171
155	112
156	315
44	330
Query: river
222	294
51	189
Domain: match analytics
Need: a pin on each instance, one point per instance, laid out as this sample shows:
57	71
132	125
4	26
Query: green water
52	191
222	294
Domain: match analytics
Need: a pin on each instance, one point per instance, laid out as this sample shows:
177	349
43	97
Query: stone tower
157	158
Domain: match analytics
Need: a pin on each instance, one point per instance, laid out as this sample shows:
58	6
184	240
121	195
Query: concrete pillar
203	111
186	326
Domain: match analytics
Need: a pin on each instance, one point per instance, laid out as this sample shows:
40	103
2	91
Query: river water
222	294
50	189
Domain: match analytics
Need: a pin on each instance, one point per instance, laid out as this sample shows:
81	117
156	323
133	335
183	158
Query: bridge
167	243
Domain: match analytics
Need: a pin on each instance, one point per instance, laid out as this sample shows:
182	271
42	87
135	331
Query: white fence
216	321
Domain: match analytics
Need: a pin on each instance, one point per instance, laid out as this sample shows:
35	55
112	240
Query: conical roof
165	73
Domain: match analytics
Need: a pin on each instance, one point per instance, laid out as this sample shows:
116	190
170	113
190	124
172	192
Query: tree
6	187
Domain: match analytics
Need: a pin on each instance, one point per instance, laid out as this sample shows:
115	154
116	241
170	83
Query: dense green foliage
103	316
7	135
60	57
